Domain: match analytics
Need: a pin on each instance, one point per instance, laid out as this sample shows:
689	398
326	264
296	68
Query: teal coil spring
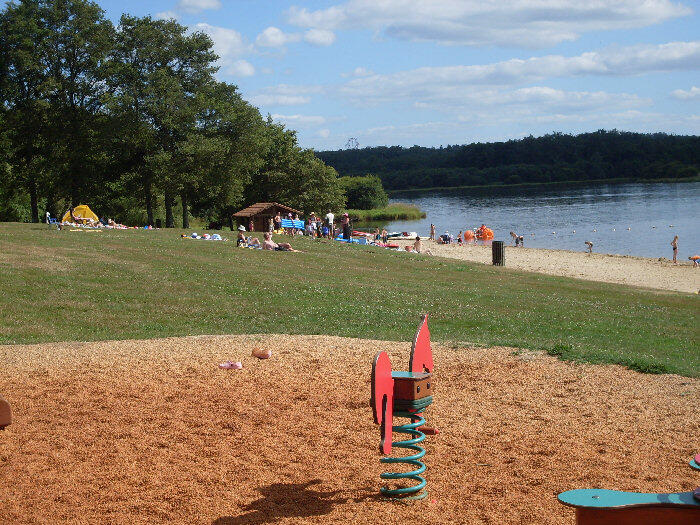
415	491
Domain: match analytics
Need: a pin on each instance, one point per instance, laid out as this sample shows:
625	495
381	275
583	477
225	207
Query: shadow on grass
288	500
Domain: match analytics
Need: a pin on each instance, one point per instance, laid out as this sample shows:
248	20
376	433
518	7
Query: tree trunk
149	199
169	219
51	204
230	222
33	198
185	214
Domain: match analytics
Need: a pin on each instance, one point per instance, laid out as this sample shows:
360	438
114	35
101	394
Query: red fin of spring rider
421	353
382	399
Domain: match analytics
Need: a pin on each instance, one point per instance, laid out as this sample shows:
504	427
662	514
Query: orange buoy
468	235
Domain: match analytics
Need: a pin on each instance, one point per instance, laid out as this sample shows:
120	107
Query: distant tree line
130	120
557	157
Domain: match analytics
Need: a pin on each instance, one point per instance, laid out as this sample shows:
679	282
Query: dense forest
552	158
130	120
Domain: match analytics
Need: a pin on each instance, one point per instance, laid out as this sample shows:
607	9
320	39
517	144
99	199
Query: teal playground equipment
404	395
613	507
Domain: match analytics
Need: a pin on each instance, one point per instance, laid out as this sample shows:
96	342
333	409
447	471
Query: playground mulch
154	432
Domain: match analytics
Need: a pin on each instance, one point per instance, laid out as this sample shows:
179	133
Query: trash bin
498	250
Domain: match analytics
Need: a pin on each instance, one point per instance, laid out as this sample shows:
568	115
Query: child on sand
418	247
674	244
590	246
695	259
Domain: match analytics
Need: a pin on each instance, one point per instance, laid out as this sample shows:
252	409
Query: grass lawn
63	285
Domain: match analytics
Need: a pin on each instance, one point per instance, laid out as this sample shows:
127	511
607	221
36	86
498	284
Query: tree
172	101
364	193
294	176
24	86
78	40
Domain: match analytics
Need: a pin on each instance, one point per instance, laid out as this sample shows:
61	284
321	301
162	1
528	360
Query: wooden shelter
261	213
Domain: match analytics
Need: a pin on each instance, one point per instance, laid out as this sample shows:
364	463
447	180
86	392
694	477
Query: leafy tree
24	82
77	42
364	193
294	176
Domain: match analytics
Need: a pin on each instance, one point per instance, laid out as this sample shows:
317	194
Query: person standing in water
432	232
674	244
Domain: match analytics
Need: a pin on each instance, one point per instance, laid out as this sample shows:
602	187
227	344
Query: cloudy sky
432	72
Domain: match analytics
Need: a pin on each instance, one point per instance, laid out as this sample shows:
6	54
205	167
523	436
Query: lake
627	219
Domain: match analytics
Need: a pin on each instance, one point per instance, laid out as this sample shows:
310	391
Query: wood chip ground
154	432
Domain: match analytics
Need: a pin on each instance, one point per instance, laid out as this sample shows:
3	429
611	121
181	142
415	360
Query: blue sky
432	72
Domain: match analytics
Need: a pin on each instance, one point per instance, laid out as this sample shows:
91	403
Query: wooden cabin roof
260	207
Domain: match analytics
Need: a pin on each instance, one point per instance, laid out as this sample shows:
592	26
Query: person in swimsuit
269	244
674	244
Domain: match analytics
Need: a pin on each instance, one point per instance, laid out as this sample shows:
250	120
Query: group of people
76	220
315	226
244	241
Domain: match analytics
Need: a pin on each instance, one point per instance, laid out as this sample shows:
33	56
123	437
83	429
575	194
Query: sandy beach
153	431
622	269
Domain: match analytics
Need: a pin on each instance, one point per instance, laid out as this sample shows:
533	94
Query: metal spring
416	491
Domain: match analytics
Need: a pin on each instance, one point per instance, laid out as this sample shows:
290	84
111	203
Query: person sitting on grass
269	244
242	240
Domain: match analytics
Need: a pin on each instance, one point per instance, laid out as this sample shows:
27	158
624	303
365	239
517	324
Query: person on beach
418	247
432	232
271	225
674	244
459	238
695	259
345	221
385	236
278	222
329	220
590	246
269	244
241	240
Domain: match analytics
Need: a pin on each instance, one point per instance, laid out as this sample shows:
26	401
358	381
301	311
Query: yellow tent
81	212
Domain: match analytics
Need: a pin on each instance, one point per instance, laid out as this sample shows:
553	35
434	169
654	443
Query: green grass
62	285
393	212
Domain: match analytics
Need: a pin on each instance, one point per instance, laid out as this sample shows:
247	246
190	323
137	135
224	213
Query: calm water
548	218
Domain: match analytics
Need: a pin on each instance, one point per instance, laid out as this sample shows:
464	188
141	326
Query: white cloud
449	82
692	94
195	6
479	22
241	68
319	37
359	72
230	45
300	120
167	15
324	133
285	95
275	37
279	100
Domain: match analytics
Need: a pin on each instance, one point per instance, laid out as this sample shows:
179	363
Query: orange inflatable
484	234
468	235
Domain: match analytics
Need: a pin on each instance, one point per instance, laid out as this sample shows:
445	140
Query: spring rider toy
406	395
614	507
5	413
